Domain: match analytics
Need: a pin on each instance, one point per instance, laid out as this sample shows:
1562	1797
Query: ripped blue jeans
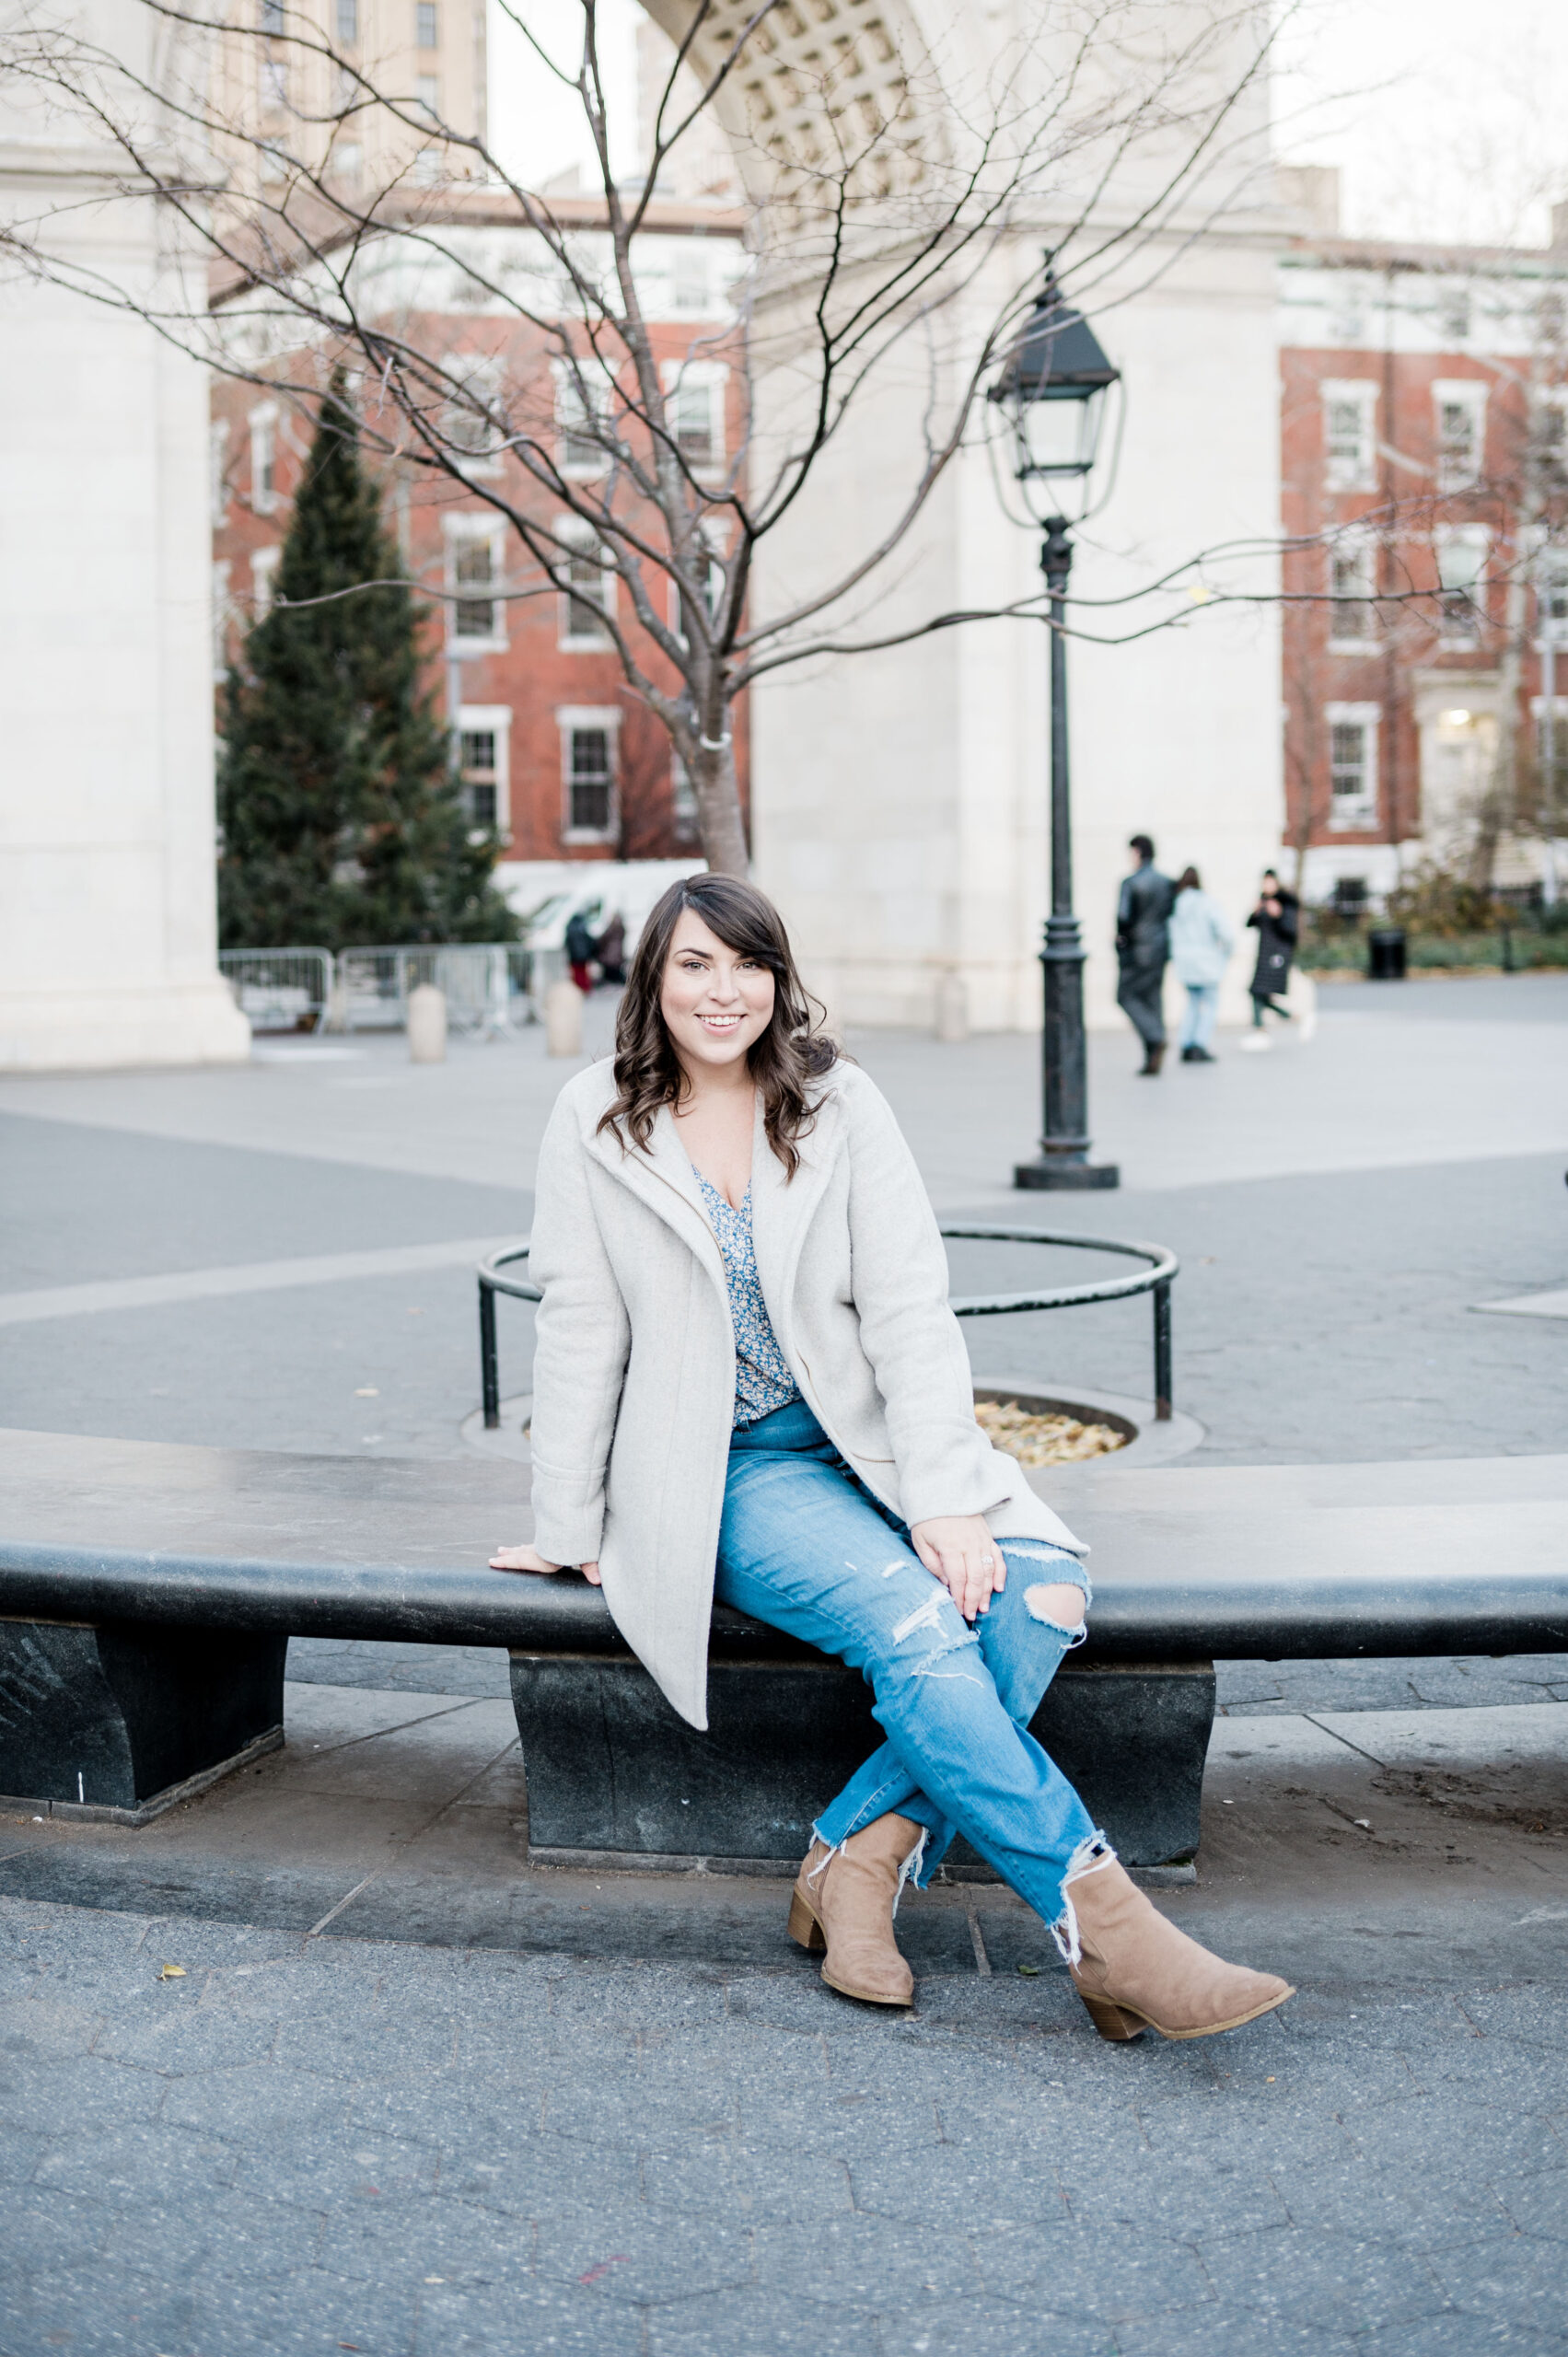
806	1548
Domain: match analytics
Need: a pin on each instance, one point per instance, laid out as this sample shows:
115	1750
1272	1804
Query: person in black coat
1143	947
1277	922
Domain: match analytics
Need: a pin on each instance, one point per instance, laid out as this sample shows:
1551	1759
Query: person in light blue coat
1202	941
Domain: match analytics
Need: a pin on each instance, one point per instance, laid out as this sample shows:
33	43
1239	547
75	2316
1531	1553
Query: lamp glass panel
1059	434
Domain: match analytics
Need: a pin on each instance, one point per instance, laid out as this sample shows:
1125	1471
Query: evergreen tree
341	821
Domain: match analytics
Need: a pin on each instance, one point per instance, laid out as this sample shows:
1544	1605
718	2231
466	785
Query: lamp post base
1054	1176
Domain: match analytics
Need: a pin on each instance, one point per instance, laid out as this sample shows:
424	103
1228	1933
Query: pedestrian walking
1276	920
611	951
1202	941
1143	947
580	947
748	1386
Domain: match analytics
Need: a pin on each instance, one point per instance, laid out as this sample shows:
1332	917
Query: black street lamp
1052	392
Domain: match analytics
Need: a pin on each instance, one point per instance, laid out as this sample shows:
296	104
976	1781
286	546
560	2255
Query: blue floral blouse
763	1379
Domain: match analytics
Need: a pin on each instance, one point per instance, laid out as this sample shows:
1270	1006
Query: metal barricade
280	990
487	984
1155	1279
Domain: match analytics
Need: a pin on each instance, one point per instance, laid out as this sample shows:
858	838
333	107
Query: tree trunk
719	821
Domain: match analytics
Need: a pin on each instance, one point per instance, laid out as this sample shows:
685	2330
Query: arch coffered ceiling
821	81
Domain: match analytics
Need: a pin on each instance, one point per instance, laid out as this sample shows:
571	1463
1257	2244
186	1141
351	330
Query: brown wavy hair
790	1054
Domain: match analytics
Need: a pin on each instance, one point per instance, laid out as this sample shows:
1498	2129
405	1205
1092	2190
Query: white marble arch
899	798
108	936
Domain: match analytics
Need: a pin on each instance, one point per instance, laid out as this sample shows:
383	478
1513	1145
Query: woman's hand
960	1551
528	1559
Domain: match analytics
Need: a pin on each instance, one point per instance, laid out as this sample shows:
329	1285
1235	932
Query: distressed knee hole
1061	1606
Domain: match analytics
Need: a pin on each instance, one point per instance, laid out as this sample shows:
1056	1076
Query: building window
263	582
1347	310
269	17
689	276
426	32
1461	574
1350	436
264	459
217	462
474	615
1549	440
588	744
473	426
1352	588
483	741
1461	435
1353	764
1351	896
582	422
221	617
275	84
1552	598
1454	315
348	23
693	393
427	93
476	609
1551	315
590	597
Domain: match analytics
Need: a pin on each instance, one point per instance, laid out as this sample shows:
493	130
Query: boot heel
803	1926
1110	2021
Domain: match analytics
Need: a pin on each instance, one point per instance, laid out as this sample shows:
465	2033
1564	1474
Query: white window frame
1453	315
264	459
223	611
1465	393
495	719
571	384
1551	581
419	11
691	261
708	377
1357	472
482	375
1467	536
568	719
461	530
1549	406
217	463
581	543
1355	818
264	565
1359	549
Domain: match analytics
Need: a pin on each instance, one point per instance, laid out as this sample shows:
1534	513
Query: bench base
121	1721
614	1776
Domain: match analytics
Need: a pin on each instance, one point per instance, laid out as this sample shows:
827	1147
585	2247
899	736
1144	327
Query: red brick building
557	752
1425	500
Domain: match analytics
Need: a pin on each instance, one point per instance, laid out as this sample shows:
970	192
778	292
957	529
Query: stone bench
147	1593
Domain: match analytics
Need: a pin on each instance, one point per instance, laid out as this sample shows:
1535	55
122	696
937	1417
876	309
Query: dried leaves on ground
1035	1439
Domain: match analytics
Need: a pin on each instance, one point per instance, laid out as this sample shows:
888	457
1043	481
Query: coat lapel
664	1180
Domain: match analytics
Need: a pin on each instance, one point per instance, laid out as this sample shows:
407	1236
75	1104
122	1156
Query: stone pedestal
614	1776
122	1721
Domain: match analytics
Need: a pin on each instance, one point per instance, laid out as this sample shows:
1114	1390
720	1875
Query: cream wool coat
635	1368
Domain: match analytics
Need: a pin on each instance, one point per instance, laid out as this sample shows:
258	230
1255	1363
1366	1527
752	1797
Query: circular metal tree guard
1155	1279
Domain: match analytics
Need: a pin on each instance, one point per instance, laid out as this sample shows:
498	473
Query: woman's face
716	1002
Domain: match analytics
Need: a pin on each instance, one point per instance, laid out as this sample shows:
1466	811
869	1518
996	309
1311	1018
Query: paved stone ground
654	2131
324	2145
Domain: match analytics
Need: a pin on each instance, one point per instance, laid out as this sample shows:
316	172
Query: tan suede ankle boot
1136	1971
843	1902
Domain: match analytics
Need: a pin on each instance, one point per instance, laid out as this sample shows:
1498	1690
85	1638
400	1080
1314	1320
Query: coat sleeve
899	1273
583	1336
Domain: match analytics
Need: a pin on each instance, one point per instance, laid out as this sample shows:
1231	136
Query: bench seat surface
1453	1556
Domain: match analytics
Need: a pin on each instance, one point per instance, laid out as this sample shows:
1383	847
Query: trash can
1386	954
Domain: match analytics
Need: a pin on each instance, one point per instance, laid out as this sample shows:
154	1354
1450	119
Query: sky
1449	120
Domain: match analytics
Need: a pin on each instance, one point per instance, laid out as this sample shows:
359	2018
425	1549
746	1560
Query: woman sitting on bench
749	1385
